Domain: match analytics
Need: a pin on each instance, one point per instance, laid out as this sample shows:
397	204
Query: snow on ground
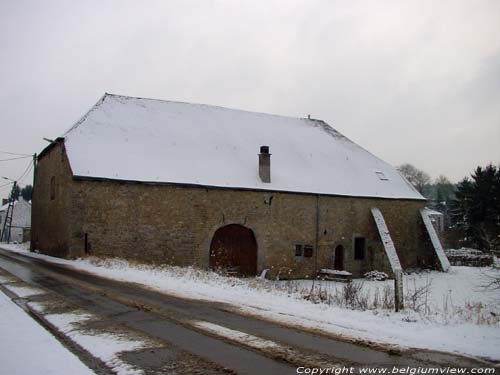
456	296
104	346
27	348
450	325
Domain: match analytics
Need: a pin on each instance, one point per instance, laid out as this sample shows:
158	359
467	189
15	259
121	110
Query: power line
23	175
26	171
26	174
13	153
3	187
20	157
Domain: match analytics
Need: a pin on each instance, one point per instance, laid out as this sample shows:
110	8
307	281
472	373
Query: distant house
21	221
223	189
437	219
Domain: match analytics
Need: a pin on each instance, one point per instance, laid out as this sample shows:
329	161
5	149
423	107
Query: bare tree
415	176
491	281
417	298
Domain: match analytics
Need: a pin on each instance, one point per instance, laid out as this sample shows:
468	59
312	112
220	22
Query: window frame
308	251
299	250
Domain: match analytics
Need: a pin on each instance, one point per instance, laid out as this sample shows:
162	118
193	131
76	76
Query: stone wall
51	217
175	224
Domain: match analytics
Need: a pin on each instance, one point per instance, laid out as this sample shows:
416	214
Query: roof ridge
313	122
82	119
214	106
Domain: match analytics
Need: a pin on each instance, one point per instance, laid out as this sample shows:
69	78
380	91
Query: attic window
381	176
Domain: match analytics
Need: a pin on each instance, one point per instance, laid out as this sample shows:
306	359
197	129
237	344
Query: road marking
293	356
23	291
238	336
5	279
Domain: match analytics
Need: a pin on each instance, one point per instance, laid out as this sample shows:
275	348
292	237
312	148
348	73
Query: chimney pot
265	164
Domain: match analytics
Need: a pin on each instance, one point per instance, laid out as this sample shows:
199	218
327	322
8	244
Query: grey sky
411	81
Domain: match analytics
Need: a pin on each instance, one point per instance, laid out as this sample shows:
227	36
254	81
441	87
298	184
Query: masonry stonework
50	224
174	224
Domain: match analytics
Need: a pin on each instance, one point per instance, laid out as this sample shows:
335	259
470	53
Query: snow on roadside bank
23	338
263	298
104	346
23	291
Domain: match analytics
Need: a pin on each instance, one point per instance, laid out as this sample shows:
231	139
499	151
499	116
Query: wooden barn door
234	250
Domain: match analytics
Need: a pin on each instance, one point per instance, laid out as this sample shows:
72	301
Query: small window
298	250
308	251
53	188
381	176
359	248
87	244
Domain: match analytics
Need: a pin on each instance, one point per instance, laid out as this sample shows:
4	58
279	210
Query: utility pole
34	170
32	239
10	213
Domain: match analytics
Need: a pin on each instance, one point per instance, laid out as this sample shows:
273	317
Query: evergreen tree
476	208
27	192
461	204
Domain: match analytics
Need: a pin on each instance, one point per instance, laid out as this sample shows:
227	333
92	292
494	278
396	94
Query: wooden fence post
398	290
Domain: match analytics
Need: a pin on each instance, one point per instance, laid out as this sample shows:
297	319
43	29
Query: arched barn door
234	250
339	258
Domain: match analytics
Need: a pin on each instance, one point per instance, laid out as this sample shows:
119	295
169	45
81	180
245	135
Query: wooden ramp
385	236
392	255
443	260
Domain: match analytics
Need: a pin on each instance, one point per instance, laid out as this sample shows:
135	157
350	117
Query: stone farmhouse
187	184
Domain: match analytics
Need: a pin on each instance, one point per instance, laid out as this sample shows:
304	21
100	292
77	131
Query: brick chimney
265	164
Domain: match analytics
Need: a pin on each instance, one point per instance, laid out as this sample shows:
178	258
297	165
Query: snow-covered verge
451	304
27	348
105	346
459	296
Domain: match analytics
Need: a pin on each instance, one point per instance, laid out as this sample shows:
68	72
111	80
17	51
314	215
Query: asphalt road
191	349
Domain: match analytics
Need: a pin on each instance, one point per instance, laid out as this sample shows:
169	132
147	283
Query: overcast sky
411	81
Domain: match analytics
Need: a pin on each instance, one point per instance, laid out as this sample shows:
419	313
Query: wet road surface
169	319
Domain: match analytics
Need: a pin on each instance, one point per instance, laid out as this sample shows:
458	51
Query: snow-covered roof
151	140
6	205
